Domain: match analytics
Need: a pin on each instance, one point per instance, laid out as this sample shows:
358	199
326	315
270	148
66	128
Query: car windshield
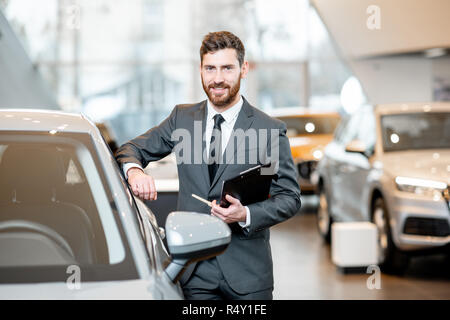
56	210
412	131
310	125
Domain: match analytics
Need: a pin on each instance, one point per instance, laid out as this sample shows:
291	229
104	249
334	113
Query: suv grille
305	168
427	227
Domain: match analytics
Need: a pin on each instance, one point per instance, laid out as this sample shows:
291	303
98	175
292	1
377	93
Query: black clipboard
249	186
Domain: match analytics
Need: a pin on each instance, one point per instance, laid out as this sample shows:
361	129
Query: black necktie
215	147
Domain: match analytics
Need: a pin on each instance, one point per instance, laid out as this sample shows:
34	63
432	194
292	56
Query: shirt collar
229	115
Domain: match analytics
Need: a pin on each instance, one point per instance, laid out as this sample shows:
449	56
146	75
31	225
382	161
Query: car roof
394	108
300	112
44	120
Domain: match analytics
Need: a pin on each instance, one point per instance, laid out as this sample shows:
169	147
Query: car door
164	288
339	161
328	165
355	168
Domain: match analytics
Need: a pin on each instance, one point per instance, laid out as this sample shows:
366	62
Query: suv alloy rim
382	241
322	214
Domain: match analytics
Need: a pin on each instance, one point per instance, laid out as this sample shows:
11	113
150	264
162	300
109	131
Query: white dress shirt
227	126
230	116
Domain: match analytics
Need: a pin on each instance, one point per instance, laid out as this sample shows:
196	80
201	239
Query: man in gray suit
224	129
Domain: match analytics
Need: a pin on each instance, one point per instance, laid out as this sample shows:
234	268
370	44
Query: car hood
424	164
104	290
304	146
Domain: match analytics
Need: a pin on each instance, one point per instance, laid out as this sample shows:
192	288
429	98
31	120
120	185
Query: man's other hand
142	184
234	213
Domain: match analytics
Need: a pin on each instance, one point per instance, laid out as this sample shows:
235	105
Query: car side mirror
193	236
356	146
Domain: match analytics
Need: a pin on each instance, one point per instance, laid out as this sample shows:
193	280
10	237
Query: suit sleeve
153	145
284	201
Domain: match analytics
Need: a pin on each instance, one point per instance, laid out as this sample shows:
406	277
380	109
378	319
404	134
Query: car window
341	127
310	125
367	130
350	131
56	210
409	131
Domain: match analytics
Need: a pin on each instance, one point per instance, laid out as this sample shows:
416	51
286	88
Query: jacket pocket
255	235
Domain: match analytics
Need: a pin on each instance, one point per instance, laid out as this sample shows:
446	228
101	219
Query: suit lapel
200	115
244	121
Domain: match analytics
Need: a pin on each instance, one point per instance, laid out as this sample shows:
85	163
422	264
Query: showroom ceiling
405	26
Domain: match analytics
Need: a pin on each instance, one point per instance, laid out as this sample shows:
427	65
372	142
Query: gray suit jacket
247	262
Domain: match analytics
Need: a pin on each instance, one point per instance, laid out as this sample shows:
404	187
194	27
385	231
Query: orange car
309	131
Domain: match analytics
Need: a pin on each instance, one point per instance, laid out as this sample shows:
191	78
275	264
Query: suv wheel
390	259
324	219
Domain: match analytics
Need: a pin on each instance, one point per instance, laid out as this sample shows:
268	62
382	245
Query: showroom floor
303	268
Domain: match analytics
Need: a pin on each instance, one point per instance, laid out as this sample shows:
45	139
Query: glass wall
128	62
327	74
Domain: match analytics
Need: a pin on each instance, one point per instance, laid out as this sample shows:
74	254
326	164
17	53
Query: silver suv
390	165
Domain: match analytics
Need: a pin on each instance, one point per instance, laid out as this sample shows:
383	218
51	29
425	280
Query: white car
165	175
71	229
391	165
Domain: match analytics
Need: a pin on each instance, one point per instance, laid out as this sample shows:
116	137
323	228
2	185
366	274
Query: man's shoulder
265	119
187	107
188	111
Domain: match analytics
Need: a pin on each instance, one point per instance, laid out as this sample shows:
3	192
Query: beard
223	100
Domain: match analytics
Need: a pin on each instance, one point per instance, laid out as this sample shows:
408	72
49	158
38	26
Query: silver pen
202	200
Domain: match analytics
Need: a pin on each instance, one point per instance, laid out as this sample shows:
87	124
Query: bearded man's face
221	77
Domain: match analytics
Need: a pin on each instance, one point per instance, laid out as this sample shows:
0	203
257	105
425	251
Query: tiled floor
303	269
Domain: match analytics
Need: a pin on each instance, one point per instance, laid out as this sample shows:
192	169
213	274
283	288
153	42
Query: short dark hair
215	41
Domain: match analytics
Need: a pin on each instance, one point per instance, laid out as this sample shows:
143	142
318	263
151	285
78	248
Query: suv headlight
420	186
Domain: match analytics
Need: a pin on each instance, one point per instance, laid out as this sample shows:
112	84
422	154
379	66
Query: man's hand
234	213
143	185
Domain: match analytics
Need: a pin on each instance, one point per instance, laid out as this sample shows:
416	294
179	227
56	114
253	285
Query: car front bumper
419	222
306	176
